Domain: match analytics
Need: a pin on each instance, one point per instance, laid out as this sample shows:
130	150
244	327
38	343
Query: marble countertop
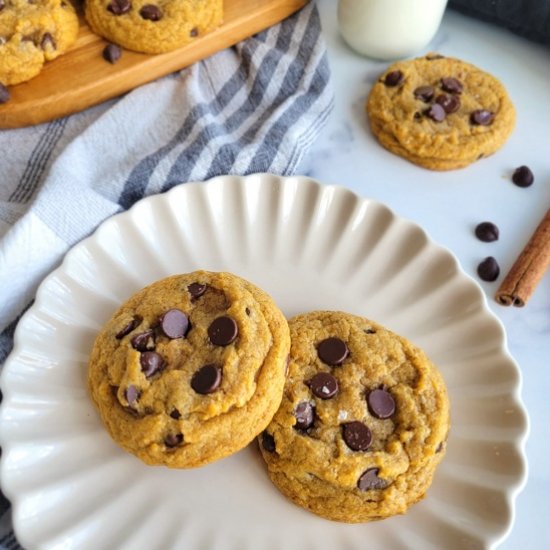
448	205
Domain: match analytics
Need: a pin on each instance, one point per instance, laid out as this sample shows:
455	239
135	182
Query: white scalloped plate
311	247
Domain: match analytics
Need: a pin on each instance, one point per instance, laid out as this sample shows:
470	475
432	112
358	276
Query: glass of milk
389	29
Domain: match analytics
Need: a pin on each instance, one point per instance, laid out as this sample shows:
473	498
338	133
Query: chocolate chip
304	413
417	115
194	32
144	341
268	442
174	323
150	12
135	322
119	7
487	232
424	93
450	103
394	78
488	270
369	331
222	331
196	290
369	480
381	403
452	85
2	4
332	351
439	447
436	113
357	436
207	379
175	414
151	363
173	440
323	385
482	117
523	177
112	53
132	395
48	40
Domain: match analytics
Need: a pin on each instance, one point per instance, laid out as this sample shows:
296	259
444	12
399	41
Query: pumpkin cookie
32	33
190	369
363	421
153	26
440	112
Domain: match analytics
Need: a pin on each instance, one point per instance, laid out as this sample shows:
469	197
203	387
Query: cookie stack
352	419
440	113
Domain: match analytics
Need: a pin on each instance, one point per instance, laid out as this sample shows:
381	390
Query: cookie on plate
440	113
153	26
363	420
32	33
190	369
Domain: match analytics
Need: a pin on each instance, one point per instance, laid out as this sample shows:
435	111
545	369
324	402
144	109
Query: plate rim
511	491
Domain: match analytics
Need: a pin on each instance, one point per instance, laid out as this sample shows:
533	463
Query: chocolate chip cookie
153	26
190	369
31	33
363	420
440	112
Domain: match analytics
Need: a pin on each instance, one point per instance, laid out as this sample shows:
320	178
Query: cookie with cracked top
153	26
32	33
190	369
442	113
358	438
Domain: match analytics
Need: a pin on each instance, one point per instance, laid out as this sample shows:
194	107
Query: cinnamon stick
528	269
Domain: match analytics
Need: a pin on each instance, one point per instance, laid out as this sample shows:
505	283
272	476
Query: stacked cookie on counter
33	32
351	419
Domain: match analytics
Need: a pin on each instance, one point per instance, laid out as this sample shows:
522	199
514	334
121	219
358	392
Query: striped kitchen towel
256	107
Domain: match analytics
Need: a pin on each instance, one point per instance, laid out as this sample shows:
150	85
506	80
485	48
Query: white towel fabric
256	107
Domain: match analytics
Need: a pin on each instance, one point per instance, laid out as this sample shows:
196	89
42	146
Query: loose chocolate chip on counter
482	117
450	103
381	403
452	85
394	78
488	270
222	331
323	385
304	413
132	395
175	414
207	379
357	436
523	177
194	32
487	232
196	290
174	323
173	440
151	363
332	351
119	7
144	341
424	93
135	322
150	12
112	53
48	40
369	480
436	113
268	442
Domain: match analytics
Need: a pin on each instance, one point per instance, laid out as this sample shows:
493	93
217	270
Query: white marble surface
448	205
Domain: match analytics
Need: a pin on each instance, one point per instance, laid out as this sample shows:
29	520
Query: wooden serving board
82	78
